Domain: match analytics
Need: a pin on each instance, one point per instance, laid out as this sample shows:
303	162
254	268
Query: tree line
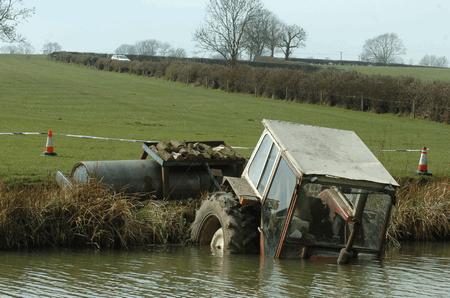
150	47
24	47
388	48
231	29
236	27
433	60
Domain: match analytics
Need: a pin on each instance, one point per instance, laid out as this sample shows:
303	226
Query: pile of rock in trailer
181	151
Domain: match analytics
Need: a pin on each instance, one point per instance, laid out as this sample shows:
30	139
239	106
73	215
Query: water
415	270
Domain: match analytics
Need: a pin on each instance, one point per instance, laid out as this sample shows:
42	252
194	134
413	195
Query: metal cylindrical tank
188	182
144	177
129	176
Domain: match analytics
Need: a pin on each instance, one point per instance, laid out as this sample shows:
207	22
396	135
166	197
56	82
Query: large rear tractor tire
225	225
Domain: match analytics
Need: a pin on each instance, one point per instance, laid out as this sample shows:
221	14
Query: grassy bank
418	72
421	73
38	94
43	216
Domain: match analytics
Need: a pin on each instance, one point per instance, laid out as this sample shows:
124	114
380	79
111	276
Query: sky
332	26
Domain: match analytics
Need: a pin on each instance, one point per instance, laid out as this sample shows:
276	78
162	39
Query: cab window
276	205
268	169
323	217
259	160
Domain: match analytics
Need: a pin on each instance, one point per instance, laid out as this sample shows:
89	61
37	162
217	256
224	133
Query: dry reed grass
422	211
88	216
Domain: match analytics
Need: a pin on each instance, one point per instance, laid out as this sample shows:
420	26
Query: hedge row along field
351	90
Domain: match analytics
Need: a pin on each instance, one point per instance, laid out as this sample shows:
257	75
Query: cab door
275	208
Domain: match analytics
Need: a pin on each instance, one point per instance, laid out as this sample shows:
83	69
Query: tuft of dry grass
88	216
422	211
168	221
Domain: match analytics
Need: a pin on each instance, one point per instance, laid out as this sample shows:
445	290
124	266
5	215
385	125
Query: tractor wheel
225	225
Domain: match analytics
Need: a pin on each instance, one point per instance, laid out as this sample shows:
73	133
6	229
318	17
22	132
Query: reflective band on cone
49	150
422	168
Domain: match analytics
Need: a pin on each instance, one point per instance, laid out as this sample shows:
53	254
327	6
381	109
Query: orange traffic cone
422	169
49	150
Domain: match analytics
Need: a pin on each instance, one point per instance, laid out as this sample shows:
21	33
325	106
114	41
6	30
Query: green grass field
422	73
37	94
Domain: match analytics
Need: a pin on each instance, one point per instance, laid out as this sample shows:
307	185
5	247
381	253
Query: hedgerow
327	86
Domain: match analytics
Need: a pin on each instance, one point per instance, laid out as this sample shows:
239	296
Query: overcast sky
332	25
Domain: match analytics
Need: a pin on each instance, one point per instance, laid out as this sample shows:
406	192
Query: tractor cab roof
331	152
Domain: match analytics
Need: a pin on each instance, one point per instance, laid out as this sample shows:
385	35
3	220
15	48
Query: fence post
256	91
413	109
286	95
321	97
362	102
227	86
207	82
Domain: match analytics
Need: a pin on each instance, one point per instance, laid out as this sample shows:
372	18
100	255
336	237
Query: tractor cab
321	191
305	191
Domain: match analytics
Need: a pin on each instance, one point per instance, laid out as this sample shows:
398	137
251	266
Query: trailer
166	170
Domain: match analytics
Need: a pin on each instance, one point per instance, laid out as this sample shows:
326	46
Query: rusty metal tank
140	177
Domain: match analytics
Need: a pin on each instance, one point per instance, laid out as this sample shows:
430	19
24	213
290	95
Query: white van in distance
120	58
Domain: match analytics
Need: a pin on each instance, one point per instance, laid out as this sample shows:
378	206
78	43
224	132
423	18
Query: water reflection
416	270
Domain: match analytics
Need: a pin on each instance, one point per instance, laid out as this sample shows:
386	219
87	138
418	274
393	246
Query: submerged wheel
225	225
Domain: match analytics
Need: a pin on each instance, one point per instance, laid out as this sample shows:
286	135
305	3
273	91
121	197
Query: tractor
305	191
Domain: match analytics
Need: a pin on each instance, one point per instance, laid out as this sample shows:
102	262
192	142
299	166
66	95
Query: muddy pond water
415	270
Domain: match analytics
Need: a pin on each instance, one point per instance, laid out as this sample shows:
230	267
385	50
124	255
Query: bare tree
50	47
226	22
126	49
150	47
257	34
385	48
177	53
147	47
26	47
273	34
23	47
11	14
432	60
164	49
292	37
9	49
